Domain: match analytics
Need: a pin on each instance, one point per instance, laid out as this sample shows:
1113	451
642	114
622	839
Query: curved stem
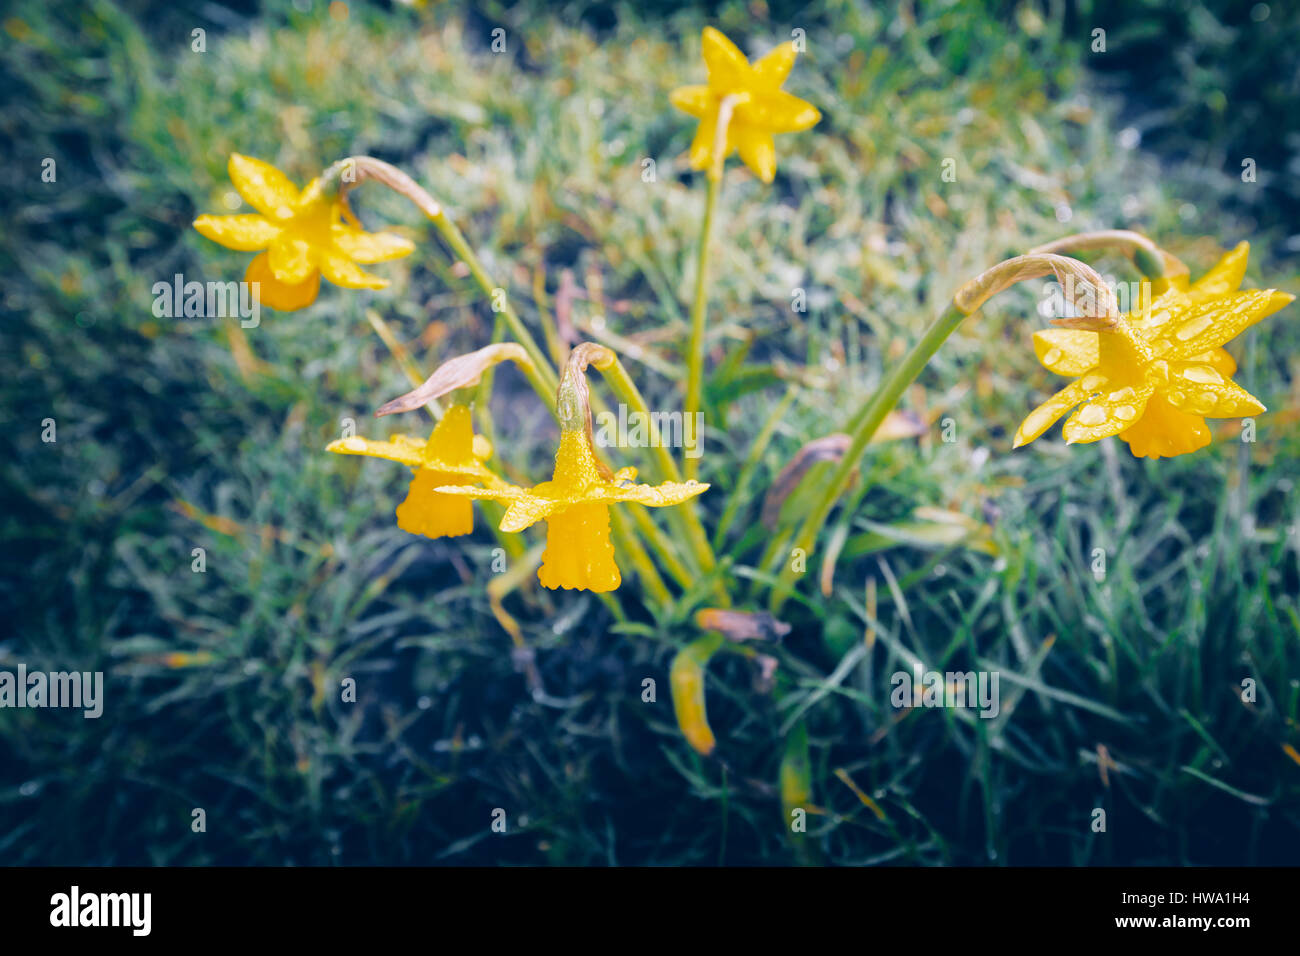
349	173
541	376
1077	278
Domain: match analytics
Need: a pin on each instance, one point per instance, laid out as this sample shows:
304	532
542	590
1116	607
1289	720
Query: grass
183	434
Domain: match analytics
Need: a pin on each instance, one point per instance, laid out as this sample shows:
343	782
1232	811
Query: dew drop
1202	374
1092	415
1194	327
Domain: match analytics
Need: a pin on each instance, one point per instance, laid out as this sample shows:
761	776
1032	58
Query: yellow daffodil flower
452	454
761	107
575	504
1155	378
303	235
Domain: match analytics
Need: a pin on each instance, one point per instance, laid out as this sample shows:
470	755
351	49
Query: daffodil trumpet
1162	362
575	503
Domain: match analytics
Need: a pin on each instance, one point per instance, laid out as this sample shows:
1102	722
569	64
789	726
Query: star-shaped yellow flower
452	454
1155	378
304	236
762	108
575	504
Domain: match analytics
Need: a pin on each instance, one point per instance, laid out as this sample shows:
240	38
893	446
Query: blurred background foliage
1122	693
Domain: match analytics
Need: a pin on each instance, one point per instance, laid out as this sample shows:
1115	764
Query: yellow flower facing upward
303	236
1161	372
451	455
760	107
575	505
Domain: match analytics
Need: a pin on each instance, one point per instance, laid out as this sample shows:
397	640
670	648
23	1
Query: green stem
699	313
542	376
863	427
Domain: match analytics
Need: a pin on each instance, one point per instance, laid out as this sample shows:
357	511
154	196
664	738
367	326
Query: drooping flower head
755	108
447	457
1155	378
303	233
575	502
452	455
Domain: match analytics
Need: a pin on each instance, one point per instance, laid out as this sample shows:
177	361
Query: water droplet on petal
1092	415
1202	374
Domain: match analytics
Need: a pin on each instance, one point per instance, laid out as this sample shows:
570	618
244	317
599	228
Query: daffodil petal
1220	360
526	510
1201	390
264	187
291	260
1225	275
399	448
342	271
757	151
771	69
728	67
1108	413
1067	351
368	248
247	233
280	295
694	100
1209	324
655	496
1045	415
778	112
701	153
448	450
